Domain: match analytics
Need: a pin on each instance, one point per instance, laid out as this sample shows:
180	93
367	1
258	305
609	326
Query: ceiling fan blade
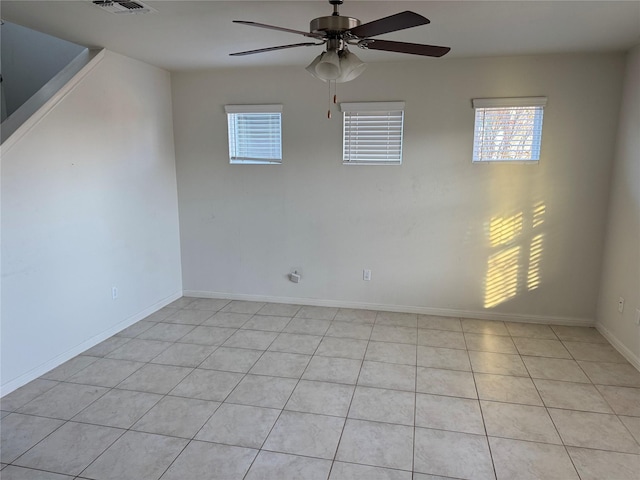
393	23
281	29
404	47
270	49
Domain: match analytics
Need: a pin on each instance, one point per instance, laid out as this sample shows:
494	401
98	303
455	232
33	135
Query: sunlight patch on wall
510	270
503	230
502	277
535	255
538	214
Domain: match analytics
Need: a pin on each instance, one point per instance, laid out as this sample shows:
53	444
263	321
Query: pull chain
334	98
329	109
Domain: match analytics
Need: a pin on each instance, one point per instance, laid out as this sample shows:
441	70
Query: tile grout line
149	362
484	424
192	439
546	409
261	449
188	442
353	394
167	394
66	421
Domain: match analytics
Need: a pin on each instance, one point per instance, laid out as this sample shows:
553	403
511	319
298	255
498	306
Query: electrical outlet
114	293
620	304
366	275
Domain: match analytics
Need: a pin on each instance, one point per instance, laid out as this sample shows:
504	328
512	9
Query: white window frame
524	150
386	138
248	154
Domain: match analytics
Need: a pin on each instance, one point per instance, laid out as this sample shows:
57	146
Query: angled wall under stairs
33	67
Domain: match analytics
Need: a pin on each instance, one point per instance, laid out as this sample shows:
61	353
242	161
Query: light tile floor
217	389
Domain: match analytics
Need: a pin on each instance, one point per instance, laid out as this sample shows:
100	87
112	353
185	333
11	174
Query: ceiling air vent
123	7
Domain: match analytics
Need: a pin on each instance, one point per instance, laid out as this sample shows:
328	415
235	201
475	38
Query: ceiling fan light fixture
328	68
337	64
351	67
311	68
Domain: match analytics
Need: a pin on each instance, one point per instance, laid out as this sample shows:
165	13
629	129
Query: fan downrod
335	4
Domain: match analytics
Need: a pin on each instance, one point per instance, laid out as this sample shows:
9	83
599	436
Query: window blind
508	129
255	133
372	133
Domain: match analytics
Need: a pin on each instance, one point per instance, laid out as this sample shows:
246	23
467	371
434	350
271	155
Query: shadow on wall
28	60
515	266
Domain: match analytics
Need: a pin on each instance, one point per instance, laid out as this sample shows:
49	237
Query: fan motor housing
335	24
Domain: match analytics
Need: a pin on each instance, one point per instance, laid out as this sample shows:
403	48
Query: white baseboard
619	346
78	349
480	315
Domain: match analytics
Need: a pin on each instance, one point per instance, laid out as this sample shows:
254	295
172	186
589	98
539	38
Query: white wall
423	227
621	267
88	202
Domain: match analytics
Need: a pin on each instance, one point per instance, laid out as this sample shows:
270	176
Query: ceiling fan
337	32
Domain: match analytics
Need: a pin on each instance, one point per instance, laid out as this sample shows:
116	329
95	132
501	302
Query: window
255	133
508	129
372	133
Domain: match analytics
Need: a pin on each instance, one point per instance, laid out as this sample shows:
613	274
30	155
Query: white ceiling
200	34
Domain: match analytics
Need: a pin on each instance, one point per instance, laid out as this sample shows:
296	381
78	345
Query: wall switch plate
114	293
366	275
638	316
